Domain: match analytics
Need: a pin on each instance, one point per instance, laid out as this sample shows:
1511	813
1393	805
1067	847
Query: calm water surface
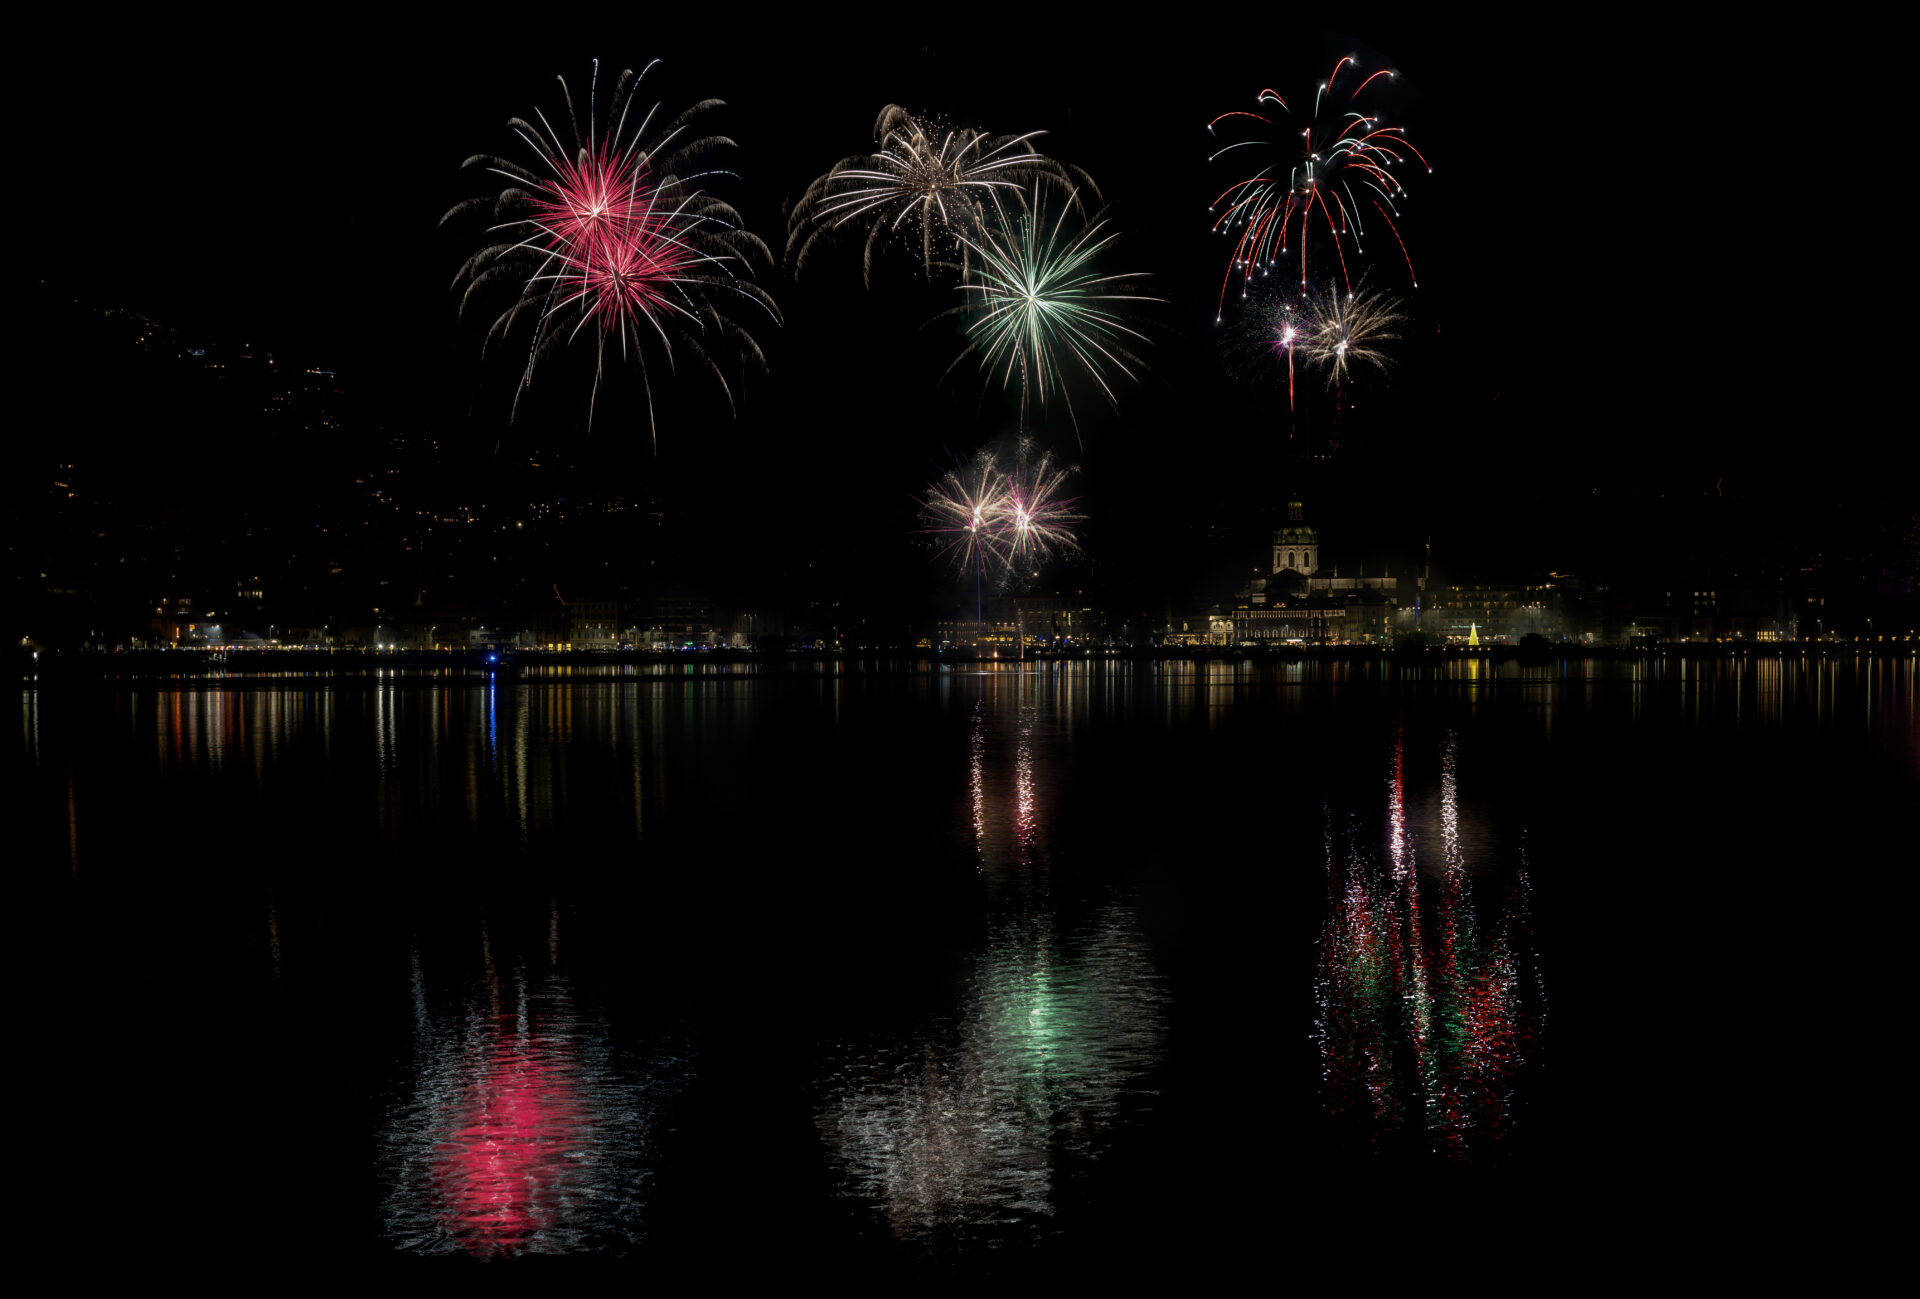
926	969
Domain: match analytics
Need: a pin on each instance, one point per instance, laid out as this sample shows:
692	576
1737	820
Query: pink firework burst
1039	518
967	509
607	192
1003	522
612	235
621	276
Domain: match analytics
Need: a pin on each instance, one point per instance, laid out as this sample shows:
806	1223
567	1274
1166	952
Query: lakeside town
1297	603
401	544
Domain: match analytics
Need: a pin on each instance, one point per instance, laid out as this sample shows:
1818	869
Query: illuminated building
1213	627
1011	621
1298	602
172	621
1495	611
594	624
1296	546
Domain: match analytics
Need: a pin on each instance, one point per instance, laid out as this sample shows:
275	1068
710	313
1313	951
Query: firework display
1345	330
967	507
1040	305
607	230
1333	170
1037	517
1003	521
1337	333
611	235
938	182
1269	336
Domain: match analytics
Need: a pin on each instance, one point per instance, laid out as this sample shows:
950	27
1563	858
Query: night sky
1580	346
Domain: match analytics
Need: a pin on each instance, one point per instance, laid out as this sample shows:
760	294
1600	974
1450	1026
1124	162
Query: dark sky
1575	331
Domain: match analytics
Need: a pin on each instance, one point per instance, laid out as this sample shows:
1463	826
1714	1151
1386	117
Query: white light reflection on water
1025	818
521	722
977	777
961	1129
965	1130
1004	797
1450	810
30	725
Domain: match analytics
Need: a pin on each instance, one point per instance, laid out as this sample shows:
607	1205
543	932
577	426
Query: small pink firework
1003	523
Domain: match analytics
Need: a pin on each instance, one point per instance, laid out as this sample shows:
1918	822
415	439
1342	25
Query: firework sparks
967	507
1337	171
1003	521
1346	329
939	179
1268	336
611	235
1038	301
1038	519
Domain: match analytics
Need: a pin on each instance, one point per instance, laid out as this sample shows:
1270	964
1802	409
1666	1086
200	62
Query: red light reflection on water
510	1141
1427	1011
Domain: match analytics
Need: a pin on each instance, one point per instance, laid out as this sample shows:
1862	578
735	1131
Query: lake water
982	969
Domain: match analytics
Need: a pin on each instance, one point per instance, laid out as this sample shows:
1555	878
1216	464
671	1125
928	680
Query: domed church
1296	546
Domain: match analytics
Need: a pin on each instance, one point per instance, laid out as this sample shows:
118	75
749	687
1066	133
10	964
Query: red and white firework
611	235
1328	174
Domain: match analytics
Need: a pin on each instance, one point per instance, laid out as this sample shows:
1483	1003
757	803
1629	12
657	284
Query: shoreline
63	666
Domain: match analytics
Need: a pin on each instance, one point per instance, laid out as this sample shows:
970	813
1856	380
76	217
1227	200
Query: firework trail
938	179
1268	337
1039	306
609	233
1333	170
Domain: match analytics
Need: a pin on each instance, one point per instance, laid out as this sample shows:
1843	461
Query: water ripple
520	1130
966	1129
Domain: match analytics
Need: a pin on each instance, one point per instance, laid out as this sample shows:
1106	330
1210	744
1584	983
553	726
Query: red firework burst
607	233
593	194
620	278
